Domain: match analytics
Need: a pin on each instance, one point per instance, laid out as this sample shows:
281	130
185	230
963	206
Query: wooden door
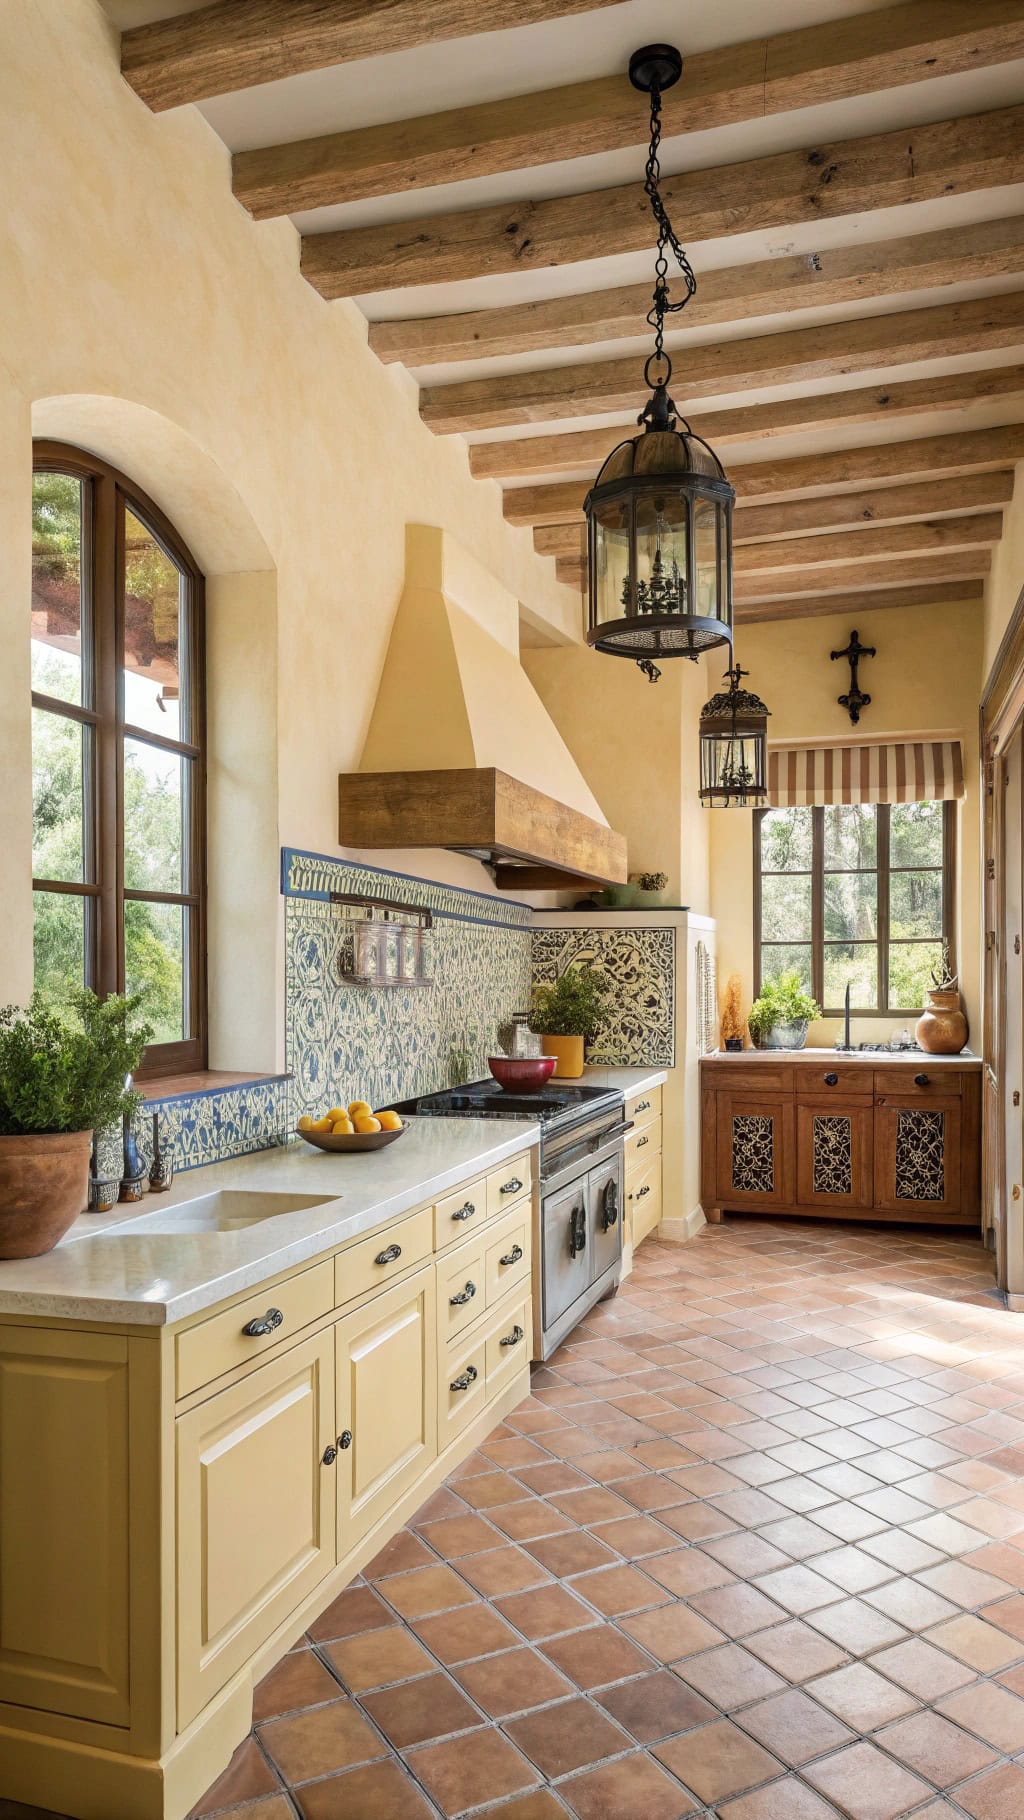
834	1165
386	1402
755	1162
257	1493
1010	1242
917	1157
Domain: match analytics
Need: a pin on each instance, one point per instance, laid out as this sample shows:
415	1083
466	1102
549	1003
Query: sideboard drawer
508	1346
509	1183
460	1214
462	1385
250	1328
461	1289
643	1145
508	1252
640	1107
385	1254
845	1080
737	1074
919	1083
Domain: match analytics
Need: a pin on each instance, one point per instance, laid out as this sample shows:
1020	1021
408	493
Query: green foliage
67	1073
652	881
573	1006
781	1001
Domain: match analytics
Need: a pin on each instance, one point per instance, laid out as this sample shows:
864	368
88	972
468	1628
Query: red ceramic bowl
521	1073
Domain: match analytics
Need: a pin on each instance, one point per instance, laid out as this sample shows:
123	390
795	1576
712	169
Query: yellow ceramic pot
569	1050
942	1026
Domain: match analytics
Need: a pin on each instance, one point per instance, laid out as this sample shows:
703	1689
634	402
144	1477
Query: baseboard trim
678	1232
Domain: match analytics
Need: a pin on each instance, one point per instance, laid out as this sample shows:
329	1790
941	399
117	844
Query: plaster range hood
461	753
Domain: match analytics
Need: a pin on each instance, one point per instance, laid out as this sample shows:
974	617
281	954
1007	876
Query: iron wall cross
856	699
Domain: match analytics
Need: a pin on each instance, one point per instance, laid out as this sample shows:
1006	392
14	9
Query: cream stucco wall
1006	581
924	683
147	316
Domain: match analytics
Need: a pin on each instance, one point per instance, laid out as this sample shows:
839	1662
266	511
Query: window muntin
118	760
855	892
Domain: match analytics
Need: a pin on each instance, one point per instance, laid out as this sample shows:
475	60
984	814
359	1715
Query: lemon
360	1109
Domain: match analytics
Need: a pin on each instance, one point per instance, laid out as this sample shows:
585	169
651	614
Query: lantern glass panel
705	544
611	559
661	572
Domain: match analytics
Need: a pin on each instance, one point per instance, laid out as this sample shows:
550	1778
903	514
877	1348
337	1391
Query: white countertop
108	1267
627	1080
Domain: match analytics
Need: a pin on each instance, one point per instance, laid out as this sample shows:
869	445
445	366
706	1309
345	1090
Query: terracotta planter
568	1051
44	1186
942	1026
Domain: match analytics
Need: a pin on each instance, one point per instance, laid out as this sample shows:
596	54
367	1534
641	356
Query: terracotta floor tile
614	1590
966	1586
377	1658
998	1795
403	1552
527	1519
907	1603
798	1536
920	1667
554	1475
1008	1614
799	1589
596	1656
624	1790
856	1626
357	1608
652	1491
688	1570
378	1791
455	1536
511	1682
315	1743
272	1807
510	1455
866	1785
852	1569
573	1553
247	1776
729	1676
795	1650
934	1747
634	1537
795	1727
426	1589
718	1760
429	1707
736	1610
655	1706
745	1554
490	1488
978	1644
472	1630
670	1632
567	1736
299	1679
860	1697
788	1799
454	1772
503	1570
991	1712
696	1521
544	1612
539	1804
592	1505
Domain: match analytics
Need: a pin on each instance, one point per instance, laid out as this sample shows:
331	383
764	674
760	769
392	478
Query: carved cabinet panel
917	1156
755	1150
833	1155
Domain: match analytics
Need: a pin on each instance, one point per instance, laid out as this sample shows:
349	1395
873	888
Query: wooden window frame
107	493
883	870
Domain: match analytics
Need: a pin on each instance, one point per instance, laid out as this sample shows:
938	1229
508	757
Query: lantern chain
667	237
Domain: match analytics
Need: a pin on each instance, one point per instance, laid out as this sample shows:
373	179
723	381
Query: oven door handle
601	1138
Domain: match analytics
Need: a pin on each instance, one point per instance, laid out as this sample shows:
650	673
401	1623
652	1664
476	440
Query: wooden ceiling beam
563	451
714	369
242	43
562	501
819	63
924	499
815	606
829	180
884	572
824	549
885	268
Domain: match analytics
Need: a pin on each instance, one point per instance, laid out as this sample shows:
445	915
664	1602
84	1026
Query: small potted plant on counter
733	1021
780	1014
568	1012
61	1079
649	888
942	1027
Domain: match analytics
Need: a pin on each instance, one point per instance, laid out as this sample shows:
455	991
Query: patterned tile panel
209	1127
920	1155
638	1030
753	1152
832	1154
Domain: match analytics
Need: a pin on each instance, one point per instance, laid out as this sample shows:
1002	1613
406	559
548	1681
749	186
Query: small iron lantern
734	747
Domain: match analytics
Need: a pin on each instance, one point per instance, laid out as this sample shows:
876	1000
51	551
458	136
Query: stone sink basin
223	1210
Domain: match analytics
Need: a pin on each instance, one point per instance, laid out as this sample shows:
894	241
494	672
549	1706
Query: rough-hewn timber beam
884	268
814	606
848	177
561	452
562	501
714	369
885	572
242	43
824	549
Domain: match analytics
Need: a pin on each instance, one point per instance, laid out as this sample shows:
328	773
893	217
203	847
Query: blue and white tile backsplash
638	1029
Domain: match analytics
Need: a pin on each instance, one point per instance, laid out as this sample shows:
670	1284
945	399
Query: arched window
118	736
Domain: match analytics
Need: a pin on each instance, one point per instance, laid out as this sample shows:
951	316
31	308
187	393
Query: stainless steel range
578	1236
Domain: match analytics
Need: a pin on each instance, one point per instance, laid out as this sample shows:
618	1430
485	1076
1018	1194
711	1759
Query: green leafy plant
572	1006
781	1001
653	881
65	1071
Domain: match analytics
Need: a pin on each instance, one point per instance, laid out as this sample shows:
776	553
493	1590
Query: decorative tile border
639	1028
315	876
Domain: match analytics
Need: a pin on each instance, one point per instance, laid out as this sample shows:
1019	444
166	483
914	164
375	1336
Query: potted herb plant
780	1014
649	888
61	1079
568	1012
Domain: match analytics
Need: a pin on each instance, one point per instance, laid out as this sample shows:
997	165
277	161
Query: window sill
200	1081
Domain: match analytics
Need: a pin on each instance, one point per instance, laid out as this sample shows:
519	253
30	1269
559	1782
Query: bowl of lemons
355	1127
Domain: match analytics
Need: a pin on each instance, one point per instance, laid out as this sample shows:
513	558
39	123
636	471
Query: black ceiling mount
656	66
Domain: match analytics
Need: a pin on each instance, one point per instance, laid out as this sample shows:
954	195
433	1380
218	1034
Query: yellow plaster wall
145	313
1006	580
924	683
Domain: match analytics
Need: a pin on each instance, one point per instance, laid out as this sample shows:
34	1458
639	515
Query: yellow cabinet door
65	1498
256	1512
386	1402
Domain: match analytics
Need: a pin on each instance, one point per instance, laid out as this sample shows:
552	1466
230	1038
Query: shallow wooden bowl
351	1140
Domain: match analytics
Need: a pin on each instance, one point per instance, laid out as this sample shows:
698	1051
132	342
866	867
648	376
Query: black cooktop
485	1099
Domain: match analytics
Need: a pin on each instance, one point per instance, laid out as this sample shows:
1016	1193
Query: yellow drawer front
642	1146
508	1346
459	1214
264	1320
461	1289
462	1386
645	1201
374	1261
508	1253
509	1183
644	1106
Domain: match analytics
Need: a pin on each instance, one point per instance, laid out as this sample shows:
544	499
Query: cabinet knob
390	1256
330	1455
345	1440
513	1186
920	1080
464	1296
642	1191
258	1328
468	1377
513	1256
641	1141
465	1212
513	1338
831	1080
643	1106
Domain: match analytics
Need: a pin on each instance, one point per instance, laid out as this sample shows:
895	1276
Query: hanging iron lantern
734	747
659	514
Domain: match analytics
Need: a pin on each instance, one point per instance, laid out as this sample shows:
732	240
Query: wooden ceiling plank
829	180
713	369
802	68
835	275
816	606
562	501
823	549
564	451
238	44
952	565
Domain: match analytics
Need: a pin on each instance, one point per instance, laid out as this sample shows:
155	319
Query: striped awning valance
914	772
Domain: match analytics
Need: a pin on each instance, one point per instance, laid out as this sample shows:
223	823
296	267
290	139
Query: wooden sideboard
837	1136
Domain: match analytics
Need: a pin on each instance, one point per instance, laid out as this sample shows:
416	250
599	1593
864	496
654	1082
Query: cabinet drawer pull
513	1338
390	1256
329	1456
643	1106
513	1186
513	1256
345	1440
464	1296
469	1376
261	1325
642	1191
921	1080
641	1141
465	1212
831	1080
